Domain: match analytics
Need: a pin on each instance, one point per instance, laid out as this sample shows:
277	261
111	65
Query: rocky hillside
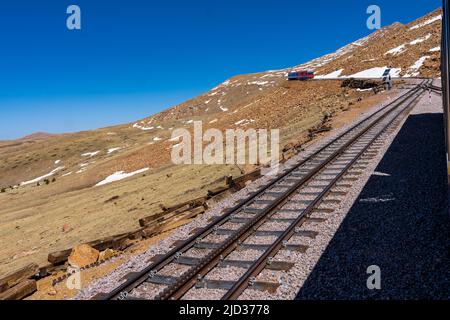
50	182
264	100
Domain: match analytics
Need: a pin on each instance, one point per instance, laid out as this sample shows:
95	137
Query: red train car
301	75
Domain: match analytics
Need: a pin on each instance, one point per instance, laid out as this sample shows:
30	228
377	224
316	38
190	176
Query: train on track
301	75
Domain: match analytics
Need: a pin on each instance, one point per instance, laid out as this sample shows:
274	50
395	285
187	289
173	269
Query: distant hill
38	136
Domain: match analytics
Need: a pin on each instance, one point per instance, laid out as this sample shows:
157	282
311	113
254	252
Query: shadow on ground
398	223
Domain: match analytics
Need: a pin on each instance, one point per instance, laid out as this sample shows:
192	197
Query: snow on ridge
420	40
396	50
41	177
402	48
427	22
119	175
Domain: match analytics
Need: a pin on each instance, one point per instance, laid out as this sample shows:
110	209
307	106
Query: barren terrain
50	201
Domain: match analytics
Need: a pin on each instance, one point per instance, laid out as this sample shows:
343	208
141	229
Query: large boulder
83	255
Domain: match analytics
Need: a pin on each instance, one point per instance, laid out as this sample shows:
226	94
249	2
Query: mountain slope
33	214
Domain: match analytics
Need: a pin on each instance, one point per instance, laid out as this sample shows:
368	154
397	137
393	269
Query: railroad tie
270	287
274	265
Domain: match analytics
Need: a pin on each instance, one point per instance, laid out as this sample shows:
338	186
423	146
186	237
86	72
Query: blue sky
134	58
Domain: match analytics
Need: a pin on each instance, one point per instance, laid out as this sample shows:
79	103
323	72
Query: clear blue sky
134	58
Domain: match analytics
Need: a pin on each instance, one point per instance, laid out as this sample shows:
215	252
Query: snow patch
376	72
396	50
244	122
413	71
420	40
435	49
41	177
138	126
90	154
111	150
334	74
119	175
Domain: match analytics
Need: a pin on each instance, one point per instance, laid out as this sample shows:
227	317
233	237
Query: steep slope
262	100
139	152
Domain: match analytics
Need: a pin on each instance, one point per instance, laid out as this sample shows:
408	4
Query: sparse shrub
54	179
2	190
46	181
38	184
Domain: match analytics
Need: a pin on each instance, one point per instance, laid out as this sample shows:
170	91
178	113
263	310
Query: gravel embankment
399	222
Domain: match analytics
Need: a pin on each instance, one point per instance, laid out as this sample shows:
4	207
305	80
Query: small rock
66	228
106	254
83	255
52	292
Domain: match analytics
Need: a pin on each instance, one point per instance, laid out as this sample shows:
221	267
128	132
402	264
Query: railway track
435	88
228	256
